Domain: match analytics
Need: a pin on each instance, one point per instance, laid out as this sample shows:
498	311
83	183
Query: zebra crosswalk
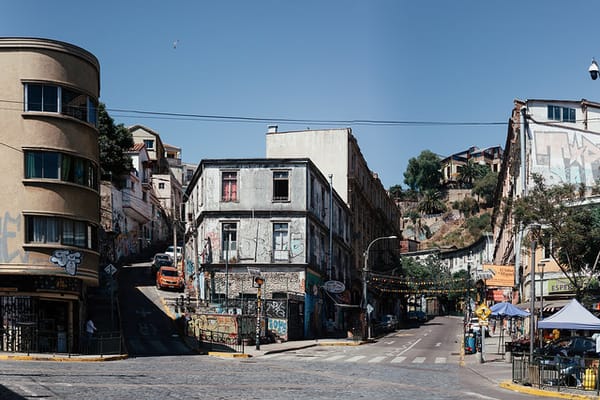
375	359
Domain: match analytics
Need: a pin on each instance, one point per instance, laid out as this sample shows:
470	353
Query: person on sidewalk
90	328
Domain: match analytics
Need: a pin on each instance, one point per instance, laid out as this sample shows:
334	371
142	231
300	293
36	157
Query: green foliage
570	224
115	141
485	188
429	269
468	206
471	172
424	172
476	225
396	191
431	202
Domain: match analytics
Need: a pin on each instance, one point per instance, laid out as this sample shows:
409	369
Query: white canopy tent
571	316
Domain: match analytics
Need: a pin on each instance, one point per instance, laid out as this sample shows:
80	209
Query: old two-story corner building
282	220
50	197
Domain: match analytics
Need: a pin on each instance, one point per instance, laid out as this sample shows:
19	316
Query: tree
424	172
114	141
485	188
431	202
471	172
567	221
395	191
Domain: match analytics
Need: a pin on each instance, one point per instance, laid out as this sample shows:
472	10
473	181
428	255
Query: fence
572	374
103	343
223	341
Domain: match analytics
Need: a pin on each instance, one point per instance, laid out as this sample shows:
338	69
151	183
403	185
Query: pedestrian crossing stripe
357	358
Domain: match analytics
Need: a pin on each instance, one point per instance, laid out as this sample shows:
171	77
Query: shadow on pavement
7	394
147	329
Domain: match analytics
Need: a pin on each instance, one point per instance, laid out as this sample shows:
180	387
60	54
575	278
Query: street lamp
259	282
365	271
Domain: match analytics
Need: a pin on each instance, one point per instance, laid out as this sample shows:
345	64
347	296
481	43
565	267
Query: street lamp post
365	276
259	282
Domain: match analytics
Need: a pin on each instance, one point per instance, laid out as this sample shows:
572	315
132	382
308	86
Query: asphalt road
419	363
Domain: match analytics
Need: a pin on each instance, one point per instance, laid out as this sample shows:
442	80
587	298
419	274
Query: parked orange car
169	277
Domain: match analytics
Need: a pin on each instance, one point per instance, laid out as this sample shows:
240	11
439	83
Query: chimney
272	129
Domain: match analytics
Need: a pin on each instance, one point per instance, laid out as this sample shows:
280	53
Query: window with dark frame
58	230
57	99
281	186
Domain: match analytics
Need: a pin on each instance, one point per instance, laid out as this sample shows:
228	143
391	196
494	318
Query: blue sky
405	61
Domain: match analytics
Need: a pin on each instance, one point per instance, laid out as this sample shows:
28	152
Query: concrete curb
55	358
543	393
228	355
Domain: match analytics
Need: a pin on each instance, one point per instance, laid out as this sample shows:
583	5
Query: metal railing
103	343
572	374
223	341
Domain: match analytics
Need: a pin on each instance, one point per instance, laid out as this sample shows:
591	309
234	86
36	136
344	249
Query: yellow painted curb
228	355
543	393
62	358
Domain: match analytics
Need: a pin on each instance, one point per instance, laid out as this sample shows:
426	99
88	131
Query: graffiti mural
566	157
278	327
67	259
9	228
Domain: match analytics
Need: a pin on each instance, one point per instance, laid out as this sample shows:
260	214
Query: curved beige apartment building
49	200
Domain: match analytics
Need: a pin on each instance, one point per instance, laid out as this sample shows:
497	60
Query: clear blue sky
428	61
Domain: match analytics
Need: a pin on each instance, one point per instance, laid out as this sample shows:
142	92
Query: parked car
171	252
569	347
159	260
389	322
169	277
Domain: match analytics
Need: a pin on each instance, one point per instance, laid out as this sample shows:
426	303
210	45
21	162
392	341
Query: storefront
40	314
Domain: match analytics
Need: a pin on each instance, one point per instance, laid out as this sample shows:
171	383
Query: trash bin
470	344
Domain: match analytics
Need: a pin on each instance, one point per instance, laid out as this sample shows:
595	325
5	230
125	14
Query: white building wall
328	149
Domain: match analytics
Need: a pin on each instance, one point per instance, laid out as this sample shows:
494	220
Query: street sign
334	286
483	312
369	308
110	269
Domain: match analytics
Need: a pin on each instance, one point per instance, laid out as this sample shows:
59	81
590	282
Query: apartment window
281	186
54	230
149	144
161	185
57	99
229	237
564	114
229	186
66	167
281	241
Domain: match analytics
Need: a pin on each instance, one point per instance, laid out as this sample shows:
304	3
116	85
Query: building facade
559	140
49	244
270	217
373	212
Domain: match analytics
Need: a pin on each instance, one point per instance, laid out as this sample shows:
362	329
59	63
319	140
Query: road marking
333	358
392	342
355	358
440	360
376	359
411	346
398	359
438	344
419	360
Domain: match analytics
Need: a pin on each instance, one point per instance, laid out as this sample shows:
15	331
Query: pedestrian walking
90	328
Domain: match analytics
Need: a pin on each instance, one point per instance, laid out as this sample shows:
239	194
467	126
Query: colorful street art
566	156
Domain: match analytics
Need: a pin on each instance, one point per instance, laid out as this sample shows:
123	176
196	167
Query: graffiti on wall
567	157
278	327
67	259
9	228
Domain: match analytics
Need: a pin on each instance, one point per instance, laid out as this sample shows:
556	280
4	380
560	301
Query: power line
134	113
